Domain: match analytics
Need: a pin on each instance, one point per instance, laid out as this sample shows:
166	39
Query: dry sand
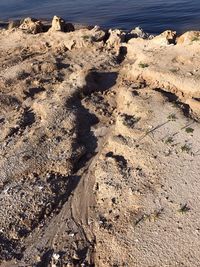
99	149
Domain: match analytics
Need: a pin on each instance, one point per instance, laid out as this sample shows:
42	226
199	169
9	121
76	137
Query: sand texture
99	147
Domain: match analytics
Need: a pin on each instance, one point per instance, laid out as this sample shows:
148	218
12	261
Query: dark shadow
28	118
33	91
9	249
120	159
170	96
2	120
61	65
85	137
196	98
95	82
3	25
99	81
122	54
46	259
174	99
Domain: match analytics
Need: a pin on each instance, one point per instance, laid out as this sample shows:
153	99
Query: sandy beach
99	146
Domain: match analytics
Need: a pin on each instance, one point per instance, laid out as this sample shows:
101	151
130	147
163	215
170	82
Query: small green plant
184	208
189	130
169	140
172	117
143	65
186	148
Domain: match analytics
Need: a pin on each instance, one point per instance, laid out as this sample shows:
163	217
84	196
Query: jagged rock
31	25
139	33
166	38
58	24
115	39
98	35
189	37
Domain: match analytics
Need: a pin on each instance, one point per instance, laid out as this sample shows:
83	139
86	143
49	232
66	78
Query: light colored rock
166	38
98	35
139	33
115	40
31	25
58	24
189	37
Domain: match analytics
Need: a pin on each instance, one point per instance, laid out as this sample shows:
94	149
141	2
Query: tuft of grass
130	120
189	130
143	65
172	117
169	140
152	217
184	208
186	148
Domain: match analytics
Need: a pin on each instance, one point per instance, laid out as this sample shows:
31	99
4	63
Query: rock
98	35
58	24
139	33
115	39
166	38
31	25
189	37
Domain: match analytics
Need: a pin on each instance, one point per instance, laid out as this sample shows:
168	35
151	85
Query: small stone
71	234
56	256
75	256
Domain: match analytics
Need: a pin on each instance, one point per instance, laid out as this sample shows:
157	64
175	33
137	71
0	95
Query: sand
99	149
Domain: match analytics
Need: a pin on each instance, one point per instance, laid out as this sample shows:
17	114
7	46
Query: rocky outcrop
59	24
189	37
31	25
166	38
138	33
115	39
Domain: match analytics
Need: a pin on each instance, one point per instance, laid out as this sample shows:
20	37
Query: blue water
153	16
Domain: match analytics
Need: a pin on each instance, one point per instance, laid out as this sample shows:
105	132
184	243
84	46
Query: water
153	16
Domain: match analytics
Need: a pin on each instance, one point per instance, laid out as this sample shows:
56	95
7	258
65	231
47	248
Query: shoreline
5	23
